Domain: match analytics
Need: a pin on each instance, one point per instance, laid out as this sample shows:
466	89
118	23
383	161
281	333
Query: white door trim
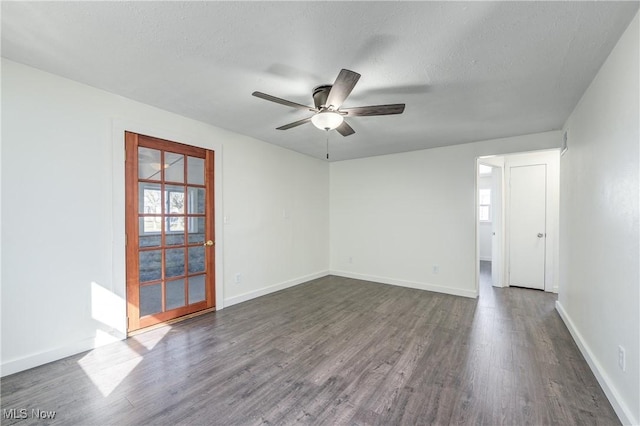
119	126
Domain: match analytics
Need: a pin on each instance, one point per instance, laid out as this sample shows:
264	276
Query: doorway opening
517	220
489	194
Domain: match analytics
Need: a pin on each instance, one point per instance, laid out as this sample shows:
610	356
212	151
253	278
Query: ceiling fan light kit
327	120
328	99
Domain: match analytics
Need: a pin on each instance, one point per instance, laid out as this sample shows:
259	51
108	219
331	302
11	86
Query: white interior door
527	225
496	225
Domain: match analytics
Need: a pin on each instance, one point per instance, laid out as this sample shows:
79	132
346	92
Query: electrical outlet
350	259
621	358
237	278
435	269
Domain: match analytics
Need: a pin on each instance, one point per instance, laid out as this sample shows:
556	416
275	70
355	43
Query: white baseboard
621	409
41	358
272	288
411	284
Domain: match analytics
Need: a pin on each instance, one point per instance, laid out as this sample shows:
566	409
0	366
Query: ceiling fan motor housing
320	94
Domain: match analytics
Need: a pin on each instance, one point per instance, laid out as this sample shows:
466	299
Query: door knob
208	243
540	235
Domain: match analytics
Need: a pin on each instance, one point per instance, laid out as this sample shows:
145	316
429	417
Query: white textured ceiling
466	71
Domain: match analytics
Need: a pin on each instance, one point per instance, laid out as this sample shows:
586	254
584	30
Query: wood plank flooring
332	351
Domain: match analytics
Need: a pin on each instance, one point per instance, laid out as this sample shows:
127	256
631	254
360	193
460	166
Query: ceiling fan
328	98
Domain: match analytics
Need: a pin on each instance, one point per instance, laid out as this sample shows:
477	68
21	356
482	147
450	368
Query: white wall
600	273
276	204
485	227
395	217
63	282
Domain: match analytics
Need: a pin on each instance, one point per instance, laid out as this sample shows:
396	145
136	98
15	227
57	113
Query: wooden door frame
133	324
156	126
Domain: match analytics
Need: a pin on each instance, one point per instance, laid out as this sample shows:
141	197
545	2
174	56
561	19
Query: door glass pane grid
179	212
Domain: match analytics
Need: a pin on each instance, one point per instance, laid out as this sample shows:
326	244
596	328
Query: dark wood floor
333	351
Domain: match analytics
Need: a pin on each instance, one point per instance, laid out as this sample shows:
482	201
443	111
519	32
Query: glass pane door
170	258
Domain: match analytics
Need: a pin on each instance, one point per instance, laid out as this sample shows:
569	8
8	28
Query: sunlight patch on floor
104	373
150	339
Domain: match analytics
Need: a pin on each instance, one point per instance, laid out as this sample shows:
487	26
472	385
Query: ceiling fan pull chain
327	143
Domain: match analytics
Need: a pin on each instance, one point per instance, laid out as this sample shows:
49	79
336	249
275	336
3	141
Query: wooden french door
170	230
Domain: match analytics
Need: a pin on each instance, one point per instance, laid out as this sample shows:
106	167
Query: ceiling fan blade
282	101
374	110
294	124
344	84
344	129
